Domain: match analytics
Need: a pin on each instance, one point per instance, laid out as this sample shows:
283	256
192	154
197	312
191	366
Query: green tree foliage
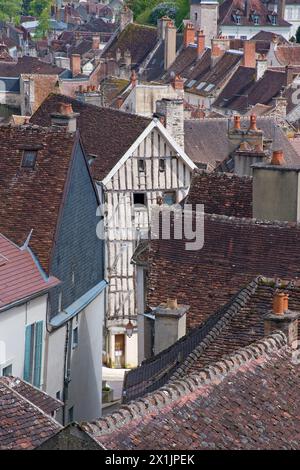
10	10
37	7
43	27
147	11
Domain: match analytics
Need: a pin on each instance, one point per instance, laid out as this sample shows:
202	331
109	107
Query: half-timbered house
136	165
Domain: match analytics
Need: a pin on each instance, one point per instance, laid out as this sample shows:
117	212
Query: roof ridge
239	301
253	221
177	389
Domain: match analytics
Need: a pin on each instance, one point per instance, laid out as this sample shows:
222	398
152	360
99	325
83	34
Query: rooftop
25	415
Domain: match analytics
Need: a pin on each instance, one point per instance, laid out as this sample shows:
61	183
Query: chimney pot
237	122
65	109
286	302
200	43
172	304
279	303
277	158
253	126
133	78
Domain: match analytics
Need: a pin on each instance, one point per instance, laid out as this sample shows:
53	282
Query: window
243	37
75	337
6	371
201	85
29	159
238	19
162	165
33	353
169	198
139	199
196	16
71	414
274	19
60	301
255	19
141	166
57	395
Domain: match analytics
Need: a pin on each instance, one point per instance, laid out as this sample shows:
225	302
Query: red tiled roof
229	7
288	55
20	277
221	193
23	424
234	252
28	65
25	203
106	133
247	400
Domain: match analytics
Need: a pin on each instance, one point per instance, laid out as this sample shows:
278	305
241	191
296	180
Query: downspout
67	361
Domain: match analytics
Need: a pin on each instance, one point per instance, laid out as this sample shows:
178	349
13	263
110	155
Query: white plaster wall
131	351
86	362
55	361
245	31
12	333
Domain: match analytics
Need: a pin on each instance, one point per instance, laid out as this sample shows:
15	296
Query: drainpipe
67	361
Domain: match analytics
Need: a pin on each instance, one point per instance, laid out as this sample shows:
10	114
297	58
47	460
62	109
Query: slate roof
206	140
243	83
247	400
140	40
106	133
97	25
20	277
28	65
235	251
229	8
221	193
24	193
218	73
24	422
154	69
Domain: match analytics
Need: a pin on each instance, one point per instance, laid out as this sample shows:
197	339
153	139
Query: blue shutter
38	353
27	358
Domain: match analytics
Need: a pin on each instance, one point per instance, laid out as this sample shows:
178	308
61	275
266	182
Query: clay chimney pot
172	304
278	303
65	108
285	302
237	122
277	158
253	126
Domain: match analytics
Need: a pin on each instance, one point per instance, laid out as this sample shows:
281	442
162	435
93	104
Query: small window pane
6	371
162	165
169	198
141	166
29	158
75	337
139	199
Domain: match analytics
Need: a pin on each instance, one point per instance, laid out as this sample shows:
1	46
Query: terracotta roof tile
98	130
23	424
20	277
28	65
24	193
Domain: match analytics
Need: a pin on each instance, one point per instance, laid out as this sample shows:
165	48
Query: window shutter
38	353
27	358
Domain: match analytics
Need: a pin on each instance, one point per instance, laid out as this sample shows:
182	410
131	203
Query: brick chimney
65	117
249	59
170	45
200	43
75	64
178	83
170	324
188	34
96	43
172	113
276	192
280	317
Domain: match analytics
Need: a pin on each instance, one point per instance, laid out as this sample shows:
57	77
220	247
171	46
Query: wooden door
119	351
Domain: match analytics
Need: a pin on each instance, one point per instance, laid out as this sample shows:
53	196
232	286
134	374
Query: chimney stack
170	324
249	59
289	75
170	45
178	83
96	43
189	34
65	117
75	64
200	43
281	9
276	191
237	123
161	27
283	319
172	110
261	66
126	17
253	127
133	79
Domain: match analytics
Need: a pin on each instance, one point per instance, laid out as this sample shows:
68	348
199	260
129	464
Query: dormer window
255	19
237	19
274	19
29	159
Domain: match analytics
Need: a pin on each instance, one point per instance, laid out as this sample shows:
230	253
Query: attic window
201	85
274	19
237	19
29	159
209	87
255	19
162	165
191	83
141	166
